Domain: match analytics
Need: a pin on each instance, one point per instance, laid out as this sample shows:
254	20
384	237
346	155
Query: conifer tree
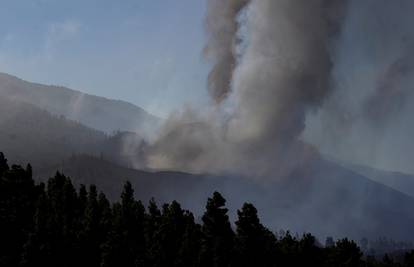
126	242
311	254
255	244
3	164
17	198
345	253
218	237
190	247
169	236
37	250
63	219
59	226
90	235
152	227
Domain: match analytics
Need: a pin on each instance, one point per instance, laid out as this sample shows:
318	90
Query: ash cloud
390	95
368	117
283	72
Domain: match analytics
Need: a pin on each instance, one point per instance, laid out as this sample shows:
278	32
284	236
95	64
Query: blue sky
147	52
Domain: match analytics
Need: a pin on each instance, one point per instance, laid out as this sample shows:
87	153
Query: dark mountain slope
323	198
399	181
29	134
93	111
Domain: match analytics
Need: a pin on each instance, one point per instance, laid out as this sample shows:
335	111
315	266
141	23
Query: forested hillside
96	112
31	134
54	224
334	200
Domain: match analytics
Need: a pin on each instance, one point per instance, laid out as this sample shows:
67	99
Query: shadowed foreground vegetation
54	224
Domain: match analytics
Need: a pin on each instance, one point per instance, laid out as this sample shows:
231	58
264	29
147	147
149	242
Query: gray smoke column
222	26
286	68
283	73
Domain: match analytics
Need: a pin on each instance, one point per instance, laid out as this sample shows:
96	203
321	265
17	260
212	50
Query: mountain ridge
333	200
29	134
97	112
403	182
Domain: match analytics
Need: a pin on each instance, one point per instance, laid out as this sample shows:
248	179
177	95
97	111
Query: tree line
55	224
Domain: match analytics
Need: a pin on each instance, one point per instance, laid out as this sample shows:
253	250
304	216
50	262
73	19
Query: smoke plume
390	95
368	117
222	27
283	72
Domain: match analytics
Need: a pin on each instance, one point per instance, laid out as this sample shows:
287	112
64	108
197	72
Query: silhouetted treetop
57	225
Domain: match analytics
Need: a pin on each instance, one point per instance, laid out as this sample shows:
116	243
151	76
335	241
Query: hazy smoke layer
390	95
222	27
283	72
368	119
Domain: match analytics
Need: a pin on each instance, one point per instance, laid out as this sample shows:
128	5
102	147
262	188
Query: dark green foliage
255	244
409	259
17	197
3	164
168	237
56	225
218	237
91	234
125	245
345	253
190	247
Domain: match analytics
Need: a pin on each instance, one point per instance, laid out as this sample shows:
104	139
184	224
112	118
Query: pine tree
89	234
311	254
255	244
153	220
409	259
64	220
169	236
152	228
126	242
190	248
3	164
218	237
82	200
37	250
345	253
105	217
17	198
288	247
55	226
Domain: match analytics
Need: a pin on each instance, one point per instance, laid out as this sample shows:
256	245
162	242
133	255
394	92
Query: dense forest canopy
55	224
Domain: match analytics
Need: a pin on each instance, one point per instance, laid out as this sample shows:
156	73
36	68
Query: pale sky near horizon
147	52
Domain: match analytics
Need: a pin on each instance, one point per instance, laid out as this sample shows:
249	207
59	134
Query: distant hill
96	112
30	134
324	198
399	181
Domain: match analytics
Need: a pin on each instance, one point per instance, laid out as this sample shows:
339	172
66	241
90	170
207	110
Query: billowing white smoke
263	95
